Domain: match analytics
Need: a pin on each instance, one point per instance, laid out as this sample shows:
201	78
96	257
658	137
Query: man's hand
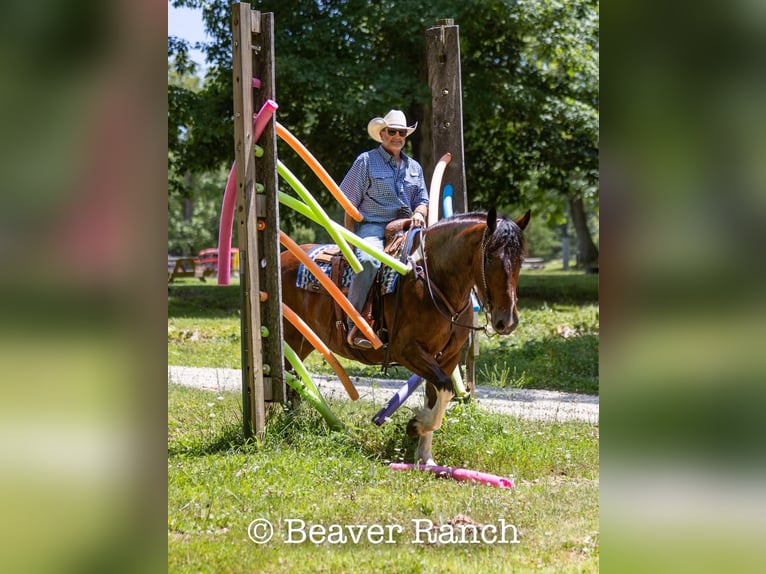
418	219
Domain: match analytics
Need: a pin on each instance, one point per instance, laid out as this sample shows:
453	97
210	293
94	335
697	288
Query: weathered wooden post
443	57
257	216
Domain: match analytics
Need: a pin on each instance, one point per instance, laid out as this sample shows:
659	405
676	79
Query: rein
451	314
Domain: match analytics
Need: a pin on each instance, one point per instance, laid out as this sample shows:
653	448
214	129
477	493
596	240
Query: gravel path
523	403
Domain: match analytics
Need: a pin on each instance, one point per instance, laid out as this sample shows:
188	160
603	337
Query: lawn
218	484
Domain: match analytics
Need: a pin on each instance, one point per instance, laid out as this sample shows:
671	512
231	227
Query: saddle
396	240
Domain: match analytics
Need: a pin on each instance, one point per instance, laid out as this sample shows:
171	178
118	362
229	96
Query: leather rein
438	298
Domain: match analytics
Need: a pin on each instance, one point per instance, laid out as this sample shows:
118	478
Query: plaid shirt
380	191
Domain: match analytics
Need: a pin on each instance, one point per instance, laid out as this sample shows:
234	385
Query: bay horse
432	319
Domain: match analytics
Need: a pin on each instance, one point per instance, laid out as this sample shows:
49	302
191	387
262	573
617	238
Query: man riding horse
384	184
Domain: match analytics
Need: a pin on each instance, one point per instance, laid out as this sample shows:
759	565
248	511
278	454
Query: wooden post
443	57
252	51
267	205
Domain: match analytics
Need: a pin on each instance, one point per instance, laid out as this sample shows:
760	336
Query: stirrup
356	340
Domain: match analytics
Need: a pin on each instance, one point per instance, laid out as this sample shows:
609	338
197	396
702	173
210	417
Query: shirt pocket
412	186
382	189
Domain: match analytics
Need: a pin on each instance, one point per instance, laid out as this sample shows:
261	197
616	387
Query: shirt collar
387	157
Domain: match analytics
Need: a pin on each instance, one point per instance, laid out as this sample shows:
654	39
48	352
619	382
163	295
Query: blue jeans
372	233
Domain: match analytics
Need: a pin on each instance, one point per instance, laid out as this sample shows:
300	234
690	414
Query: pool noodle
319	171
293	318
324	219
332	289
436	183
308	389
351	237
226	225
398	399
460	474
230	195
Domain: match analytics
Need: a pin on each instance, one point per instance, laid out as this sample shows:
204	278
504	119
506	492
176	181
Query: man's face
393	140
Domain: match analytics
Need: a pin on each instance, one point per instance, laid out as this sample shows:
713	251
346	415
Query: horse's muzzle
504	323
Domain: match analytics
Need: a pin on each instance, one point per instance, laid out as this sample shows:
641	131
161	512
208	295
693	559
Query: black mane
507	235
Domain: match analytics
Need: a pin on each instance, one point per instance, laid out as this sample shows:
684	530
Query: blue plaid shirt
381	191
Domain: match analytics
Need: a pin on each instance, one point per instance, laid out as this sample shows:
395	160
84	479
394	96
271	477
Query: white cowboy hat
393	119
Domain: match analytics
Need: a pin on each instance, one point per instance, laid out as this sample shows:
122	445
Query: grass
555	346
218	484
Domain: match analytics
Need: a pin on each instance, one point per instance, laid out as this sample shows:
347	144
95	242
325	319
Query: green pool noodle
351	237
306	388
324	219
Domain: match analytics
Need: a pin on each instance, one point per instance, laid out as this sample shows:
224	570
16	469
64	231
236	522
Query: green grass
555	346
218	483
556	286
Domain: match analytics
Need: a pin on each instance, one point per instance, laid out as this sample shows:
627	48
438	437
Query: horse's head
503	251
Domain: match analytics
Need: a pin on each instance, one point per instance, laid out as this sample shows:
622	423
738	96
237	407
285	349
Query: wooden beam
268	211
254	416
444	79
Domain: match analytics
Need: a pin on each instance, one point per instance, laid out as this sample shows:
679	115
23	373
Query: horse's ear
491	220
523	221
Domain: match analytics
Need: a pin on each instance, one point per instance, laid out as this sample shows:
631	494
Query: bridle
438	298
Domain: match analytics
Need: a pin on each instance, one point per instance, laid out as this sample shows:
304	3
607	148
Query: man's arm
353	186
348	222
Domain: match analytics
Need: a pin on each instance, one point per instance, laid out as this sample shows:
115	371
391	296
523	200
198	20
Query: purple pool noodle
461	474
398	399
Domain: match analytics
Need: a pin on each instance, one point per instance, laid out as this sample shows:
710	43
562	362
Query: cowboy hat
393	119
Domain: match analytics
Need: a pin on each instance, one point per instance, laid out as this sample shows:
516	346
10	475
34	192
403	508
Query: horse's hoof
412	428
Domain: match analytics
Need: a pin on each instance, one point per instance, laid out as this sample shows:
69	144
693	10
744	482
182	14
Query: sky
187	24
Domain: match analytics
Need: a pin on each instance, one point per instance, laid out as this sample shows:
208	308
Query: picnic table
185	267
533	263
201	266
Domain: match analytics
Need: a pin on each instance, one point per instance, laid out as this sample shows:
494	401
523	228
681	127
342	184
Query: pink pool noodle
461	474
230	196
262	118
397	400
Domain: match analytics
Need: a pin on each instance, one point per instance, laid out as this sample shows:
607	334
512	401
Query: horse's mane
507	235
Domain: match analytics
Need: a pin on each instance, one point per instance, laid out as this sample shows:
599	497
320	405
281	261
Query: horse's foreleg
427	420
439	393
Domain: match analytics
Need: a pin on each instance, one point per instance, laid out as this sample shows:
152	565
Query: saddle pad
306	279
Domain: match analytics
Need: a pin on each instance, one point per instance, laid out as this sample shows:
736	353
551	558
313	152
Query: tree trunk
188	205
587	252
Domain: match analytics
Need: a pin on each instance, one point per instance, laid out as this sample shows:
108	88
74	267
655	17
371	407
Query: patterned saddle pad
320	255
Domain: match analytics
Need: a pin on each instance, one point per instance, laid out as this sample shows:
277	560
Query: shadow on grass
228	438
564	287
203	301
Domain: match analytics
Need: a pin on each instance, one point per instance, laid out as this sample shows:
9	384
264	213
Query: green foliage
555	347
542	240
194	214
548	286
530	90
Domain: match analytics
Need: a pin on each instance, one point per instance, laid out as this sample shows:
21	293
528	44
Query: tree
530	93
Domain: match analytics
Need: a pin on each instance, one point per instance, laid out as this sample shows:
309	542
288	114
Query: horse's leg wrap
428	419
423	452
